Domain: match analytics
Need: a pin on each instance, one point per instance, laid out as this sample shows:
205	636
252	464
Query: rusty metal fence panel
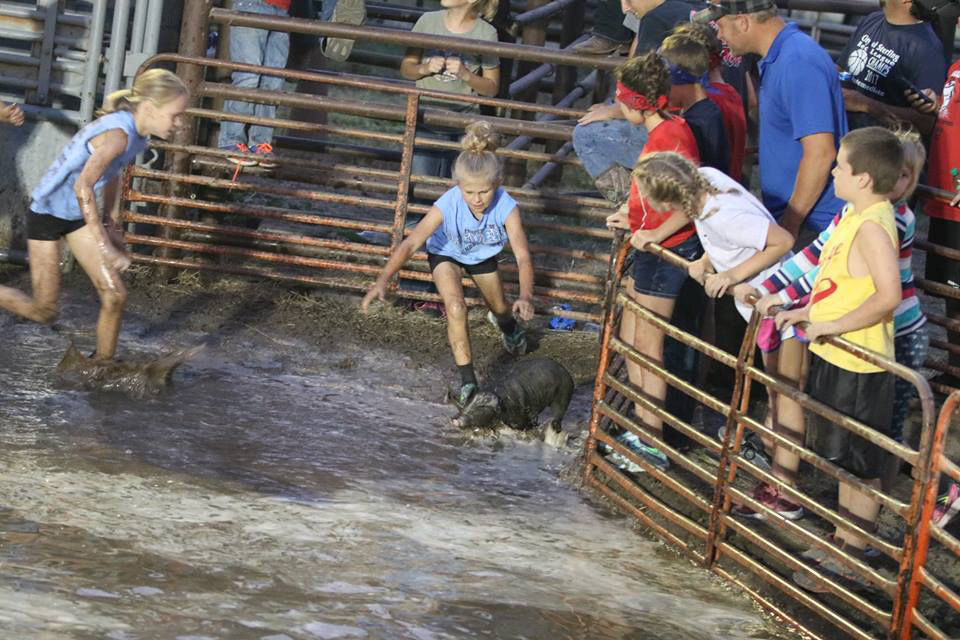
689	505
319	208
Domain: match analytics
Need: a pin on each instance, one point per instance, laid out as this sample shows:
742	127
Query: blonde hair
158	86
669	178
914	155
486	9
478	160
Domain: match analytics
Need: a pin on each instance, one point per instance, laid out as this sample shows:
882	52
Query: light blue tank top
464	238
54	195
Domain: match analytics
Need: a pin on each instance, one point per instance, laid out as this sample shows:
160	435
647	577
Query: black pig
518	397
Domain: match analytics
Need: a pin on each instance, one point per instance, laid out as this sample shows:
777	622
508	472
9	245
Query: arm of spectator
873	243
600	112
642	237
855	101
486	83
794	279
413	67
924	106
11	114
813	174
777	244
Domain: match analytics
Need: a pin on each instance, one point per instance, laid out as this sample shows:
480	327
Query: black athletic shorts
41	226
866	397
487	266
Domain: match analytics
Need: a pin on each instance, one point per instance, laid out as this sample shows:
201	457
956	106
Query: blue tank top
54	195
464	238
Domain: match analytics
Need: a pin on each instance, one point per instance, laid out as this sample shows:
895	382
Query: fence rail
690	504
321	209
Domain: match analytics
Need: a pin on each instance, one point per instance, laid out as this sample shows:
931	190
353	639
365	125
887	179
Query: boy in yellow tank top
854	296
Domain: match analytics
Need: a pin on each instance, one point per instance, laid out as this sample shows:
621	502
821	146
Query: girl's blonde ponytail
158	86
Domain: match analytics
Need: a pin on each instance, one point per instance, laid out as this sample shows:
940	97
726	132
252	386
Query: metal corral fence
689	505
330	219
52	52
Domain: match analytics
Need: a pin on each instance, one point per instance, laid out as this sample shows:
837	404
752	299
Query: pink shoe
769	496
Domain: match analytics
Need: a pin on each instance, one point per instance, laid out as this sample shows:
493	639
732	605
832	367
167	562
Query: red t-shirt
945	148
734	121
670	135
280	4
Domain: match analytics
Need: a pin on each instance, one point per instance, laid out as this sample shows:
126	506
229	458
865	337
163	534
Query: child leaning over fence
465	230
792	283
741	241
64	203
643	83
854	295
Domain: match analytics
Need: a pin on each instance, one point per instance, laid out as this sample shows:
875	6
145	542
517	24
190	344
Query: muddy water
259	500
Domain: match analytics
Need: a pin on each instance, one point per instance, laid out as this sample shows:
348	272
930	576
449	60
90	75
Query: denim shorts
653	276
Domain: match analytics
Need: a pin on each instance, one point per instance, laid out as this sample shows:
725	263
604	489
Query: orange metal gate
689	505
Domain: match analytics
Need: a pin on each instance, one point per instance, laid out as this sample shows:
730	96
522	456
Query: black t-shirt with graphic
882	56
706	122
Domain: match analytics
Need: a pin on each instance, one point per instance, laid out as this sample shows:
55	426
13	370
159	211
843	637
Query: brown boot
597	46
614	184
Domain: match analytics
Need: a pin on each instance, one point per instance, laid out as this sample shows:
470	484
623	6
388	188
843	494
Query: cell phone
906	84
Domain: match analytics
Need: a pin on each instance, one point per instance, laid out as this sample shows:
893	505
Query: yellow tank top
836	292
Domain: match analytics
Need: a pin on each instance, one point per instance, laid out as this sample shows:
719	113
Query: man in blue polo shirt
802	117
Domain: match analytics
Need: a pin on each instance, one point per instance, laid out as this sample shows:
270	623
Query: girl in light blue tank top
64	204
464	231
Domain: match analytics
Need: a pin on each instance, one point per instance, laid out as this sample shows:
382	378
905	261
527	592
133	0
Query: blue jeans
601	145
259	47
434	162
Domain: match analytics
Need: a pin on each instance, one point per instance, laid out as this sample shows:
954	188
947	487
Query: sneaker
264	153
948	505
243	157
597	45
516	342
651	454
624	464
432	309
835	570
344	12
815	555
751	448
467	392
769	496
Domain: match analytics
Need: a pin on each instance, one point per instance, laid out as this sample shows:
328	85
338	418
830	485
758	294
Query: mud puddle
269	497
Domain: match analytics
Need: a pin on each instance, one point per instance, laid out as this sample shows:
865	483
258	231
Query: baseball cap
719	8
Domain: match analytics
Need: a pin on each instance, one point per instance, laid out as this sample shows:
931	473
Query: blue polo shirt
799	96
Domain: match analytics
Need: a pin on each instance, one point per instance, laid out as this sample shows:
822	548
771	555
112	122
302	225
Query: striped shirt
795	278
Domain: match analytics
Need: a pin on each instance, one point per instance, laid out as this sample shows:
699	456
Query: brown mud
238	312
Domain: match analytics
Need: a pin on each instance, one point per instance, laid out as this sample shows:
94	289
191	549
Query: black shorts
487	266
866	397
41	226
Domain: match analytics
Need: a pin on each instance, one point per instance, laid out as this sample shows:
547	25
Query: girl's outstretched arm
523	307
407	248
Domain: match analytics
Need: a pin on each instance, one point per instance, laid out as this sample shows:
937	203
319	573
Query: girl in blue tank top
465	230
64	204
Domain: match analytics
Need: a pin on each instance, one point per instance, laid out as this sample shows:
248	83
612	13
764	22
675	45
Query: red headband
638	101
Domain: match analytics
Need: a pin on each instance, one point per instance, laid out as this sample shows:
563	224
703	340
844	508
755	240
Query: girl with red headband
643	84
